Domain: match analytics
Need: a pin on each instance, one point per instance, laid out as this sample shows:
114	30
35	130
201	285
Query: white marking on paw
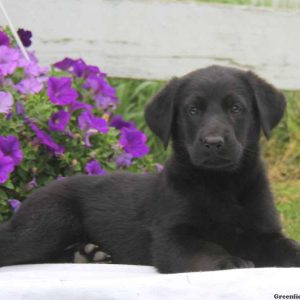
89	248
79	259
99	256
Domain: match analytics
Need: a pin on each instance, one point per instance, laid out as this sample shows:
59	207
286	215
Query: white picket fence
159	39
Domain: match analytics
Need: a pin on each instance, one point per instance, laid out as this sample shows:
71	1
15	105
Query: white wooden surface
123	282
159	39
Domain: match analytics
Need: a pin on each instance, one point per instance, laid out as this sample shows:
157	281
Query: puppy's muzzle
212	143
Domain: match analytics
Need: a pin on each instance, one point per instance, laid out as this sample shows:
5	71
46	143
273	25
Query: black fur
211	208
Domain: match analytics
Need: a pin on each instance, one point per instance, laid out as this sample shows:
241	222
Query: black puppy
211	208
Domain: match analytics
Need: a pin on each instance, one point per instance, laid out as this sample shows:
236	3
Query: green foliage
288	204
257	3
41	164
237	2
135	94
282	151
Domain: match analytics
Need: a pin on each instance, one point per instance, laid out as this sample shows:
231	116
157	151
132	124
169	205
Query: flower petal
60	91
6	102
94	168
59	120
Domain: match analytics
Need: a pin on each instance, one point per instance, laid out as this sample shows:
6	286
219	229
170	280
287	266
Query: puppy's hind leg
43	227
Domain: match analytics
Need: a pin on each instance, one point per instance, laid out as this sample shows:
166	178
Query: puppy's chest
216	210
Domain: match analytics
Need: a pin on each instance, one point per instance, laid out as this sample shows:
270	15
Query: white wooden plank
157	40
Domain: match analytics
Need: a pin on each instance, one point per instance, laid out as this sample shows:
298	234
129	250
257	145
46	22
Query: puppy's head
215	115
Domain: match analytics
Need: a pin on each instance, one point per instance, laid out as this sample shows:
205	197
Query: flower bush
58	121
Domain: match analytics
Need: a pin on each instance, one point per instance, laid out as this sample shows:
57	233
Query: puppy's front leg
174	253
273	250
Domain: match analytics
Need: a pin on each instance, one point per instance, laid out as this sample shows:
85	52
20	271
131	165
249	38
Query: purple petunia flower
159	167
76	105
9	116
59	120
104	102
25	37
60	91
32	68
94	83
59	177
93	70
93	168
1	78
9	58
87	135
124	160
46	139
75	66
106	97
6	102
29	86
78	67
4	39
31	185
87	121
20	110
118	122
6	167
134	142
64	64
14	204
104	94
10	146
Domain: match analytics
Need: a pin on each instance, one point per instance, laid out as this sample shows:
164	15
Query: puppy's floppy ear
270	102
159	112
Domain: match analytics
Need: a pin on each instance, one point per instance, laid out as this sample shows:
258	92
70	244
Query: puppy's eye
193	110
235	109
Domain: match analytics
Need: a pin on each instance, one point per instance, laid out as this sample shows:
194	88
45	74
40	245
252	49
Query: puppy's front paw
234	262
90	253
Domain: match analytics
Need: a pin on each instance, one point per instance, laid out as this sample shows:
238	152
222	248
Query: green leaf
8	184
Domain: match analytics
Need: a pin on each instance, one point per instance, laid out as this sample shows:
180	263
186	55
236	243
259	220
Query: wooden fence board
160	39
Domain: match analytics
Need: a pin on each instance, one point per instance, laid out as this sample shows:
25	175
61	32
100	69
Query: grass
281	152
257	3
234	2
135	94
288	204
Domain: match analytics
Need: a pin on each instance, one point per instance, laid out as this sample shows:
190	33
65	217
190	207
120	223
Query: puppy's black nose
213	142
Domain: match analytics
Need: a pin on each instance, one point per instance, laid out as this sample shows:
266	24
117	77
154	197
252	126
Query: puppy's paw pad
89	248
90	253
100	256
79	258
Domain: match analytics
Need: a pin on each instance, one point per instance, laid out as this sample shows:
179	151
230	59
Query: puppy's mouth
218	164
226	160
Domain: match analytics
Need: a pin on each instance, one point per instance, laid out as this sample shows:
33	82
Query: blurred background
141	44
